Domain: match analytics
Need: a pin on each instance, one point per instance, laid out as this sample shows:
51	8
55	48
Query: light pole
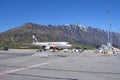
109	33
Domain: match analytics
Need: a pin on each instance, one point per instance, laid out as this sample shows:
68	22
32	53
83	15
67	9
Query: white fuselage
53	44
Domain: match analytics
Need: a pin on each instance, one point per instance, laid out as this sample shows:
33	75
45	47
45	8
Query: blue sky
14	13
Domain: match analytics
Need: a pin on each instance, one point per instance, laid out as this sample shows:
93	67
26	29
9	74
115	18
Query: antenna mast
109	27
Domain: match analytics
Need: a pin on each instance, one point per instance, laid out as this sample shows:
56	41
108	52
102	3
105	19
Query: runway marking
28	67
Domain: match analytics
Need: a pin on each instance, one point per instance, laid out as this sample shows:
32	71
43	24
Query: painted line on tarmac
28	67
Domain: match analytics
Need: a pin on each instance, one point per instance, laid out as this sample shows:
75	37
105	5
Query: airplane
50	45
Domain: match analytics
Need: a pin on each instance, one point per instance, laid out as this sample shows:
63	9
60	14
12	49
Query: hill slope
75	33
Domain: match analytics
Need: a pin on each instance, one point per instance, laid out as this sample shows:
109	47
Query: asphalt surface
46	65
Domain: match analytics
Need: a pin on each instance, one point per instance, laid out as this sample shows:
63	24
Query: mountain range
73	33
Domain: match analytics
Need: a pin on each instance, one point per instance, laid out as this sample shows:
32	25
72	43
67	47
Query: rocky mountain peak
74	33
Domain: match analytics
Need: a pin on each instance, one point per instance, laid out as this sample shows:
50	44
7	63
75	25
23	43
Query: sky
94	13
